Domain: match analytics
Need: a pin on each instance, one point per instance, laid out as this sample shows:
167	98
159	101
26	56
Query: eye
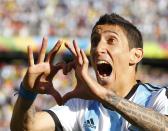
110	40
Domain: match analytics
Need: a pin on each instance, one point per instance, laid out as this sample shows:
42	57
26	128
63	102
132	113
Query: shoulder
74	104
151	87
77	102
152	96
69	113
158	91
159	98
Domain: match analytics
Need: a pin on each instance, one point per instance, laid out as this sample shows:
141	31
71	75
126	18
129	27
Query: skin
120	57
112	46
38	79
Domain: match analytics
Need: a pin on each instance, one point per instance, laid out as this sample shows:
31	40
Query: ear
136	54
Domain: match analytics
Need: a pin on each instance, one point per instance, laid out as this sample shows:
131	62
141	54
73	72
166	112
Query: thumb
54	70
68	67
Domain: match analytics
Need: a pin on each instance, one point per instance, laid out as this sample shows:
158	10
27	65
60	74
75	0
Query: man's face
110	54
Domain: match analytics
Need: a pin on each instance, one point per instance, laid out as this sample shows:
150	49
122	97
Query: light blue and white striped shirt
91	115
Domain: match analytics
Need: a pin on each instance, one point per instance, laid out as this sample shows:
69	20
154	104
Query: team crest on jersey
89	124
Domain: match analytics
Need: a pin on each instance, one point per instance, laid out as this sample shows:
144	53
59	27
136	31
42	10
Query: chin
105	81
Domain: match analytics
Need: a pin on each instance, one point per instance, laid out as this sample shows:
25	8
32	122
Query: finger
37	82
58	98
30	56
53	52
71	49
77	49
71	65
55	69
43	50
59	66
68	67
84	57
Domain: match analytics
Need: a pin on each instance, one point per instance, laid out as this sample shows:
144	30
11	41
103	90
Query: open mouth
104	68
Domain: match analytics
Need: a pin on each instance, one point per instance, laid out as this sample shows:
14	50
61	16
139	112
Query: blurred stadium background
25	22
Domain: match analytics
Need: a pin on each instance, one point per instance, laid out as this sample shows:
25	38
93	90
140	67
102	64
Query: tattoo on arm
144	118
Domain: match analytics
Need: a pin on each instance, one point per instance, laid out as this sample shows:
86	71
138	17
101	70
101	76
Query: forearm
144	118
141	117
23	113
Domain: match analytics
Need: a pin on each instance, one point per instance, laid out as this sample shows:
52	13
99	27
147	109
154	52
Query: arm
26	118
144	118
38	79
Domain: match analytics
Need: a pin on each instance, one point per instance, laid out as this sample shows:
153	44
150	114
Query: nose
101	48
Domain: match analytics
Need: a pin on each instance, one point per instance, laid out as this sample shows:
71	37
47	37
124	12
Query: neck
124	88
124	85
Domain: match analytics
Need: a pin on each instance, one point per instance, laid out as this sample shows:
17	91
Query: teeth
101	62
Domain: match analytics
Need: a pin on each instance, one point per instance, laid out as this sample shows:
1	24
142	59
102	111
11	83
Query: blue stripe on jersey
142	95
91	119
115	120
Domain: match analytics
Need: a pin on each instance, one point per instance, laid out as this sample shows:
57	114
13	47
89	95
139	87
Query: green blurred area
152	49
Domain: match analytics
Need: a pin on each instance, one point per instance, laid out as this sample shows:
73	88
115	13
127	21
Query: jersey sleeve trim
58	126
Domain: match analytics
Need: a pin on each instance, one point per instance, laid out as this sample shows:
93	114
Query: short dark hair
133	34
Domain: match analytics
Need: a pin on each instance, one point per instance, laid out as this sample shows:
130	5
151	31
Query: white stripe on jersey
90	115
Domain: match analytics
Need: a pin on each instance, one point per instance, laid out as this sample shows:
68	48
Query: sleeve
161	101
58	126
66	116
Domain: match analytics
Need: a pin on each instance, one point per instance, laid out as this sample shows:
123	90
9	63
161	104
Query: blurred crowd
71	18
11	76
76	17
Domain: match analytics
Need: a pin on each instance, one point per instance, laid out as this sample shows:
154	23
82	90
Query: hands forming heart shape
39	76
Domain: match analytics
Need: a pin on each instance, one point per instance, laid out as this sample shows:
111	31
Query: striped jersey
90	115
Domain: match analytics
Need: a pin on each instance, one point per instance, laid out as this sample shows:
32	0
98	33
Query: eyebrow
106	31
109	31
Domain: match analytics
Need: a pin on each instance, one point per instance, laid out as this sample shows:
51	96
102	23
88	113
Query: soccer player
115	102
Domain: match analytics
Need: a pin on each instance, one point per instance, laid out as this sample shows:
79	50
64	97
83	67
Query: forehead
104	29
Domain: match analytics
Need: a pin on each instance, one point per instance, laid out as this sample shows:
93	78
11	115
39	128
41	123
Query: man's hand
39	76
38	79
86	88
141	117
80	63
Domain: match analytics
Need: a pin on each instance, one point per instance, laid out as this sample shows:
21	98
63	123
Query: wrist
26	94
